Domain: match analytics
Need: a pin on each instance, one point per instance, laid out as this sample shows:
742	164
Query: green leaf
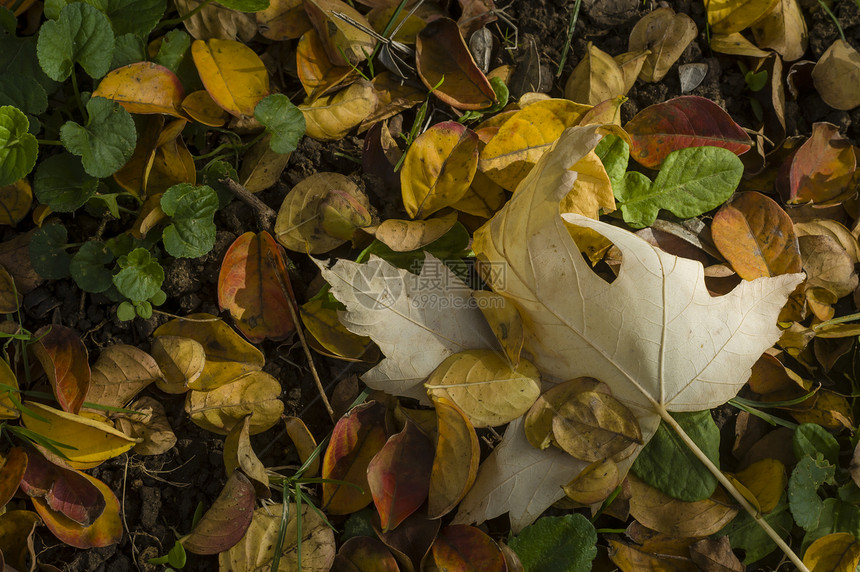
138	17
746	534
810	439
836	516
125	311
449	246
143	309
47	252
614	153
283	120
8	22
691	181
667	464
192	210
808	475
107	141
173	50
128	50
559	543
213	173
80	35
23	84
359	524
140	276
633	184
88	267
18	148
62	184
245	5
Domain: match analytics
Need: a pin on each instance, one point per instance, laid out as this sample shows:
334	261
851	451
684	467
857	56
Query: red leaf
355	440
64	358
686	121
411	540
64	490
250	287
466	549
821	169
226	521
399	475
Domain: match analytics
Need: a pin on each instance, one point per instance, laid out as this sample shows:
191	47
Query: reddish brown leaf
250	287
442	53
12	470
822	168
226	521
355	439
686	121
63	490
756	236
410	541
399	475
365	554
466	549
64	358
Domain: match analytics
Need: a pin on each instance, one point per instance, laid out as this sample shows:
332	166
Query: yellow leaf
485	387
505	321
597	77
525	137
438	168
783	30
766	480
261	167
593	426
667	35
836	552
299	224
323	324
283	20
200	107
408	235
94	441
455	464
181	361
483	199
238	453
232	73
837	74
330	117
344	43
736	44
304	442
314	68
143	87
15	202
256	393
121	372
594	483
729	16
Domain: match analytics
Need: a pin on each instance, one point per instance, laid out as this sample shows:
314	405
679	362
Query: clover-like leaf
192	209
140	277
80	35
18	148
62	184
283	120
106	142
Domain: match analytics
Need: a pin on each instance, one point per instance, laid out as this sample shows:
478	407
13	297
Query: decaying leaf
238	454
181	361
667	35
218	410
121	372
149	426
455	464
330	117
597	77
835	74
226	521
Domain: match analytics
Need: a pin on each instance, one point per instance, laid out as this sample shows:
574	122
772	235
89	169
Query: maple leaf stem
732	490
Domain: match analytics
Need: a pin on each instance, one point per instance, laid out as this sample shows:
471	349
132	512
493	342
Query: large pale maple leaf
654	335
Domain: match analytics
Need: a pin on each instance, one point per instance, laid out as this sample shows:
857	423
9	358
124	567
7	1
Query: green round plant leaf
192	209
283	120
667	464
691	181
836	516
62	184
173	50
806	478
47	253
125	311
245	5
810	439
143	309
138	17
88	267
107	141
18	148
140	276
23	84
129	49
80	35
158	298
559	543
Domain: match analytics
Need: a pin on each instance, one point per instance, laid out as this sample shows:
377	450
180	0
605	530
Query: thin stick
266	215
733	491
574	16
298	324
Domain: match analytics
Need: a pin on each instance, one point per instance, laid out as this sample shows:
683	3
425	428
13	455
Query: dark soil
159	494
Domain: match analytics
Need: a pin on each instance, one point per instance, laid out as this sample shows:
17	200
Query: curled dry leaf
409	235
234	75
485	387
594	484
215	21
836	74
200	107
446	66
827	265
94	441
304	442
660	512
756	236
463	547
251	286
12	468
64	490
593	426
821	170
64	358
736	44
783	30
344	43
314	68
256	393
667	35
226	521
143	87
261	166
341	214
299	223
283	20
597	77
239	454
149	426
331	117
106	530
181	361
256	549
121	372
455	463
438	168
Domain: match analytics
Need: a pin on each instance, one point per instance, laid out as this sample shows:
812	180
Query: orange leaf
143	87
821	169
467	549
64	358
232	73
251	286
